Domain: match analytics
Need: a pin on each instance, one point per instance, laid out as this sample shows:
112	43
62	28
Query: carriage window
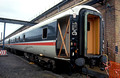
88	26
23	37
45	33
15	39
19	39
9	41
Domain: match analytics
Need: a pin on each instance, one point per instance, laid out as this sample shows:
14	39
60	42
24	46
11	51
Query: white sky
22	10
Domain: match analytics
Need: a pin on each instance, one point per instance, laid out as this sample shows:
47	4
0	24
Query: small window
88	26
45	33
19	39
23	37
9	41
15	40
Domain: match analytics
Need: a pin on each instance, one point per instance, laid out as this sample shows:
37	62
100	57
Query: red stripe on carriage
42	43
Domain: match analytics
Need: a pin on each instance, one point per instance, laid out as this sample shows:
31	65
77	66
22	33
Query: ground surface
13	66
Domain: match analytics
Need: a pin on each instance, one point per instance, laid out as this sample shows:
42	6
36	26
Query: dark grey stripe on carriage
37	34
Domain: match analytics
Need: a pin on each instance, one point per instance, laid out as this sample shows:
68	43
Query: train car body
74	35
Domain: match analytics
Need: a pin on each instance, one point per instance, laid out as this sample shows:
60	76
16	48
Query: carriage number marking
74	28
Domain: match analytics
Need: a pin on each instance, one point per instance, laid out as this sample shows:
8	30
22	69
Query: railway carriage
74	35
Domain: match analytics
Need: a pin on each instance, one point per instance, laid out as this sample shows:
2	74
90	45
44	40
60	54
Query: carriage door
90	36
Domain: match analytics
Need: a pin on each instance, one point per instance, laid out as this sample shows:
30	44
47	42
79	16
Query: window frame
85	30
19	39
23	37
43	33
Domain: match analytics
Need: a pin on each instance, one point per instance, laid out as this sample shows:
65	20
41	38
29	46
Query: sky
22	10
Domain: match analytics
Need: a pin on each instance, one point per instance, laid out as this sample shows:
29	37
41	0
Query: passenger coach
74	35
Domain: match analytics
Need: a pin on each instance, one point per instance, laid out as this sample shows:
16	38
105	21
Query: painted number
74	28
